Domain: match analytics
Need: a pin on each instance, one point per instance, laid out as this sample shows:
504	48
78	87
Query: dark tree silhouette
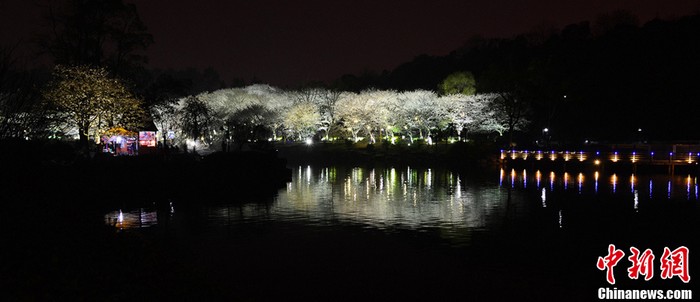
196	119
21	113
100	33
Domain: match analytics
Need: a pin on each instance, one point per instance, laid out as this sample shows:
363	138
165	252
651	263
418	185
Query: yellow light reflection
551	180
140	218
500	178
580	182
595	176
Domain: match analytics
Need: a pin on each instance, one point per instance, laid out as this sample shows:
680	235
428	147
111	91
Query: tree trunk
84	142
510	136
165	138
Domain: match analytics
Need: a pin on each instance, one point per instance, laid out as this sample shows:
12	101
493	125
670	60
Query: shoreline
459	157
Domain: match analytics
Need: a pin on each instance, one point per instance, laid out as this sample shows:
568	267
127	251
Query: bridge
671	156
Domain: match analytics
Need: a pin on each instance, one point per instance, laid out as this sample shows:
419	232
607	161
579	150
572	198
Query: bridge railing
688	157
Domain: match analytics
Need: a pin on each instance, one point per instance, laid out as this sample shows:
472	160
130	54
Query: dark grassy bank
458	156
55	169
58	247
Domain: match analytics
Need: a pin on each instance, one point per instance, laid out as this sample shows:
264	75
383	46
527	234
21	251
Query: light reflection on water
140	218
422	200
382	198
389	198
677	187
673	186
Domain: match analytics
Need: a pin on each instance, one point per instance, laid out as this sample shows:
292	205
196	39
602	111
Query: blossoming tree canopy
90	100
262	113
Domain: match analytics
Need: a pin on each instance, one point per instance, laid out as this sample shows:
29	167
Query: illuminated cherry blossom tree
378	107
93	102
166	119
353	114
419	112
326	103
301	120
467	112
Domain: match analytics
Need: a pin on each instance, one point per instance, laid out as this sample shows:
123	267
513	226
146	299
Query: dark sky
288	42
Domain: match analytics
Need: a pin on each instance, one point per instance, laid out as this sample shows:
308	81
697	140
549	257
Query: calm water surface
500	233
422	199
381	198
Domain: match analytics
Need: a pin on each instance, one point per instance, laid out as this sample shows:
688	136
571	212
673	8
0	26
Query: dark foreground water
405	233
356	233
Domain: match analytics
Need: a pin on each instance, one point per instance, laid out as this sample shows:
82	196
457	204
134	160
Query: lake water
379	198
403	232
422	199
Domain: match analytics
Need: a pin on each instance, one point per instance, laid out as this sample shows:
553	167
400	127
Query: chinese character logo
673	263
641	264
609	261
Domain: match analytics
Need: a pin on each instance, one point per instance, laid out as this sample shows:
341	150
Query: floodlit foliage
458	82
92	102
261	112
465	113
353	114
301	120
165	117
419	112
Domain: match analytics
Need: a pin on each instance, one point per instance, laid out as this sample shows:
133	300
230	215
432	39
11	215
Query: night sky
292	42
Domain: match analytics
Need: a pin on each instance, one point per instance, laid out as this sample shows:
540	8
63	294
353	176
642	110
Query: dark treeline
601	80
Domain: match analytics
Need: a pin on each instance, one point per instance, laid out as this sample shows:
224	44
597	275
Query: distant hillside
618	77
